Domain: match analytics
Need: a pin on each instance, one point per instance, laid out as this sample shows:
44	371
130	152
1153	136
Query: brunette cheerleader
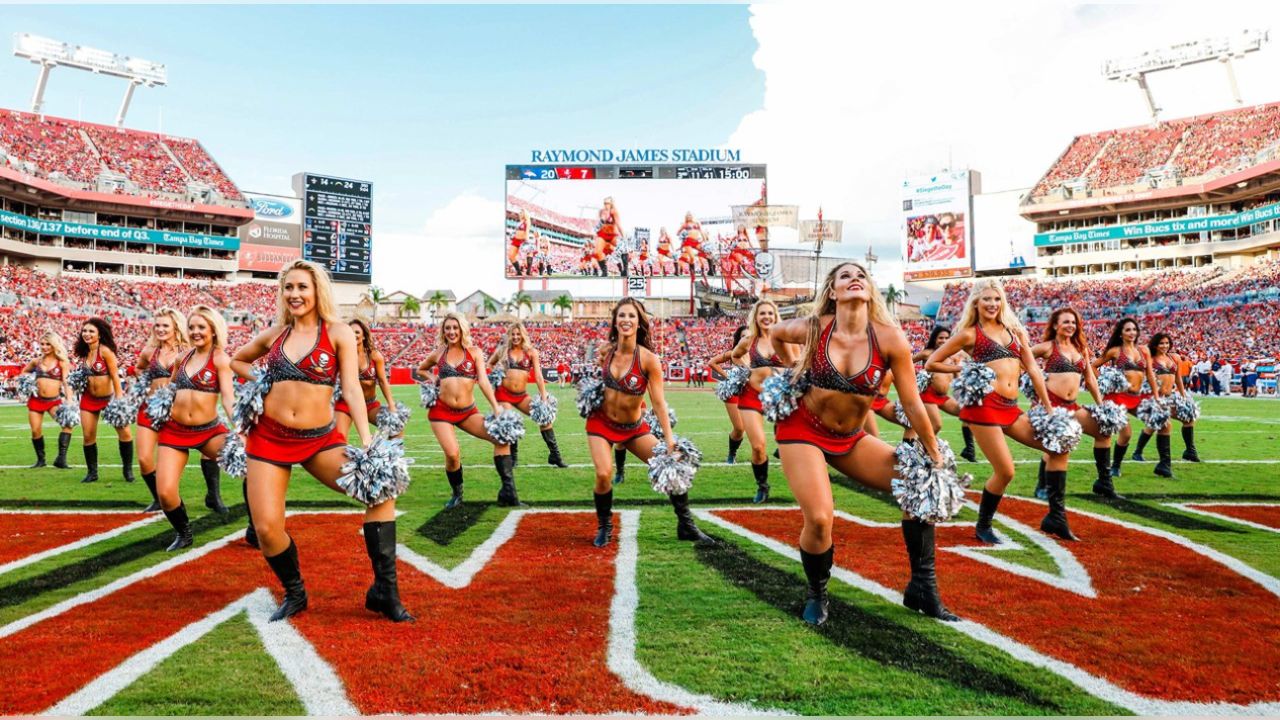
631	368
850	342
714	365
50	370
764	356
518	240
373	376
990	333
96	349
935	398
460	368
1164	365
520	363
201	376
1125	354
297	427
168	340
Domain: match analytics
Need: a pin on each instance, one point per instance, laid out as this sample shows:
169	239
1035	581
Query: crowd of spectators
139	156
202	167
46	148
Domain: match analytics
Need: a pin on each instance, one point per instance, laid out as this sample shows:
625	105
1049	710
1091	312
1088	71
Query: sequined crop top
632	382
1160	368
525	363
156	369
824	374
53	373
464	369
1058	363
369	373
97	368
1127	364
205	379
986	350
760	361
318	367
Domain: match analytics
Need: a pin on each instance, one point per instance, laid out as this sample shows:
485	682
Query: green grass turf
721	622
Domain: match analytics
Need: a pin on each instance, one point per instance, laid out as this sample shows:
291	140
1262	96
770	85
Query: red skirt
92	404
144	420
879	402
601	426
504	395
371	408
607	233
271	442
929	397
664	252
43	405
749	399
733	400
995	409
1128	401
443	413
803	427
190	437
1060	402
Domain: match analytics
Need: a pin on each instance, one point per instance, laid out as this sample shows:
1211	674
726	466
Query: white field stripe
1090	683
82	542
71	511
462	575
1186	507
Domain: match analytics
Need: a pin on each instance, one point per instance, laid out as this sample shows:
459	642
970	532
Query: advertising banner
85	231
936	226
1156	228
267	258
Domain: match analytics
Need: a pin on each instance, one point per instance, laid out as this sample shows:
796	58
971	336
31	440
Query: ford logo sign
271	208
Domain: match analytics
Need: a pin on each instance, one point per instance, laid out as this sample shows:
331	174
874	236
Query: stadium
1168	604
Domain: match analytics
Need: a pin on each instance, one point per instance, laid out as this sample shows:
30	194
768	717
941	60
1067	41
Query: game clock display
337	226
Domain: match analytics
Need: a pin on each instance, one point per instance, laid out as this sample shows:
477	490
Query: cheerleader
373	376
741	257
763	356
1165	368
691	238
631	368
200	377
50	370
461	368
608	232
297	427
96	349
850	342
518	240
715	366
935	398
665	259
168	340
991	334
1125	354
521	364
1067	363
544	254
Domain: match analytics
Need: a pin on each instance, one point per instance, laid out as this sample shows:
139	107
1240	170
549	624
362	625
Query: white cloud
459	247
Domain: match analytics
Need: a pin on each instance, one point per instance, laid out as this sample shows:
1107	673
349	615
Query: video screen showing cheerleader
629	227
935	237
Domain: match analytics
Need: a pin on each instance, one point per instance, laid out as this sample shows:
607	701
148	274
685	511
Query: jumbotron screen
626	220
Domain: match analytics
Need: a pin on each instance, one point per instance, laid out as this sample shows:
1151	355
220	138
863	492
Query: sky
431	102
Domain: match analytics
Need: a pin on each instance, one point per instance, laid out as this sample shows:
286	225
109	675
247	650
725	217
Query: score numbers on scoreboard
640	172
337	226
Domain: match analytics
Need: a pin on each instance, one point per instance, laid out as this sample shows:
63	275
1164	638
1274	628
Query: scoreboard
337	226
639	172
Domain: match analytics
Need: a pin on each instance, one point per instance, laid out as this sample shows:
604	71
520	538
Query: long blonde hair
515	329
59	348
216	321
179	325
753	318
825	304
325	308
464	330
969	318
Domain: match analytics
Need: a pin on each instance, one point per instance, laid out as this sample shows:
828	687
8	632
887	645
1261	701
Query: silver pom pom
1028	388
392	422
900	415
67	414
1145	389
160	404
590	395
78	379
1184	408
336	395
250	397
119	413
672	473
1111	418
655	427
232	458
923	491
136	392
734	380
506	427
1153	413
544	413
25	386
377	474
497	374
428	393
781	393
923	379
972	384
1055	428
1111	380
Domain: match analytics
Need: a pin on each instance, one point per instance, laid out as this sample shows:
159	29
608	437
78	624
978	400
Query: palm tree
491	306
376	296
519	300
437	301
563	304
410	307
893	296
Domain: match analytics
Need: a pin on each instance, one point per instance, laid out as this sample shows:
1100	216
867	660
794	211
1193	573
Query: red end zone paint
528	635
25	534
1168	623
1268	515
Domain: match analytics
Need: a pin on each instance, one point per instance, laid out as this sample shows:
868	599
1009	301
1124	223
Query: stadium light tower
1222	49
49	54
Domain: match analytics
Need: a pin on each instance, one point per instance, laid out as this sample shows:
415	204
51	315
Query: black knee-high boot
761	471
213	485
604	518
37	443
285	566
553	449
384	595
126	459
250	534
507	496
1189	440
455	482
1055	522
177	517
922	592
1142	443
1042	492
686	528
1102	464
91	463
149	479
817	570
64	443
515	454
1117	457
986	513
733	450
1164	468
619	461
968	453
